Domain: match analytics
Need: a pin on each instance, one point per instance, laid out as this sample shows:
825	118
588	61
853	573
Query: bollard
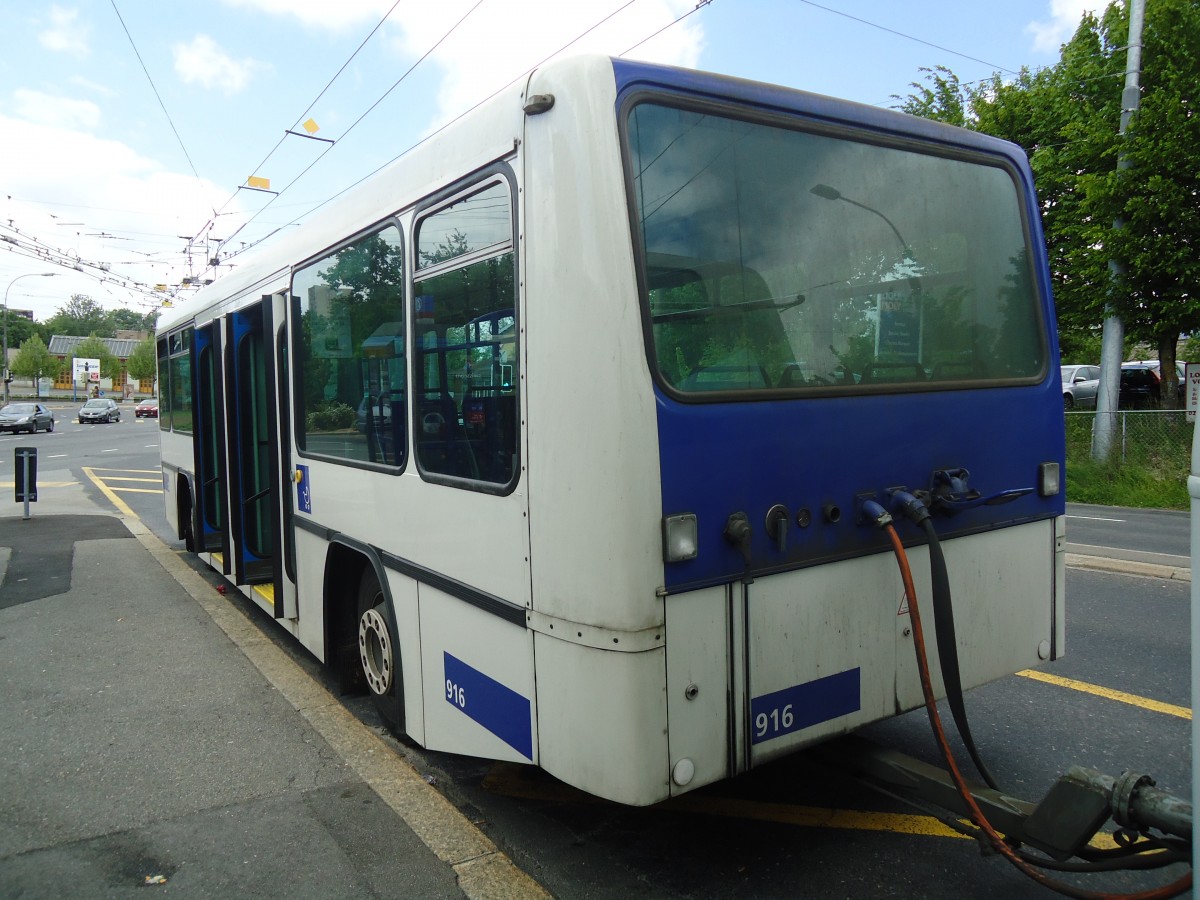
25	476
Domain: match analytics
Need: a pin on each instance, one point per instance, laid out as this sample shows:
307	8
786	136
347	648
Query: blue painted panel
498	708
303	491
804	705
724	457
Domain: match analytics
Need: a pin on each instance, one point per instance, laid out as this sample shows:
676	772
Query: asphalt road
801	827
1164	532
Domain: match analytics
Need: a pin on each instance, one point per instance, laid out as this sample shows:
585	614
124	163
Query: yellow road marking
514	780
139	480
108	492
125	490
1120	696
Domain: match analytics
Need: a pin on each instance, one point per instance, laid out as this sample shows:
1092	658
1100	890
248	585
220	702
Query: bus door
209	523
257	513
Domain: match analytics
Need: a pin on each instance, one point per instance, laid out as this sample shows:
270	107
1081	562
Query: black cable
157	95
1140	862
947	644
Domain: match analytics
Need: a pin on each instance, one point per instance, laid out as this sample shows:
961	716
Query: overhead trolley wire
353	124
158	96
307	110
467	111
909	37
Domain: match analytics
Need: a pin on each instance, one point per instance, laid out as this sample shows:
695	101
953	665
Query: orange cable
977	816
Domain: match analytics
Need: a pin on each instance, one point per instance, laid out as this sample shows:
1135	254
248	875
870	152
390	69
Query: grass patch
1149	465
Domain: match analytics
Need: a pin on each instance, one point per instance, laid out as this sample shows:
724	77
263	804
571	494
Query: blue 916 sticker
499	709
804	705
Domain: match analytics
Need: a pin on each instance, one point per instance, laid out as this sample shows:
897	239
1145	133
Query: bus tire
186	527
379	651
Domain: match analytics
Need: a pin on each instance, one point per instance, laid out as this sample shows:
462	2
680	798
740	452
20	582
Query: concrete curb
483	871
1128	567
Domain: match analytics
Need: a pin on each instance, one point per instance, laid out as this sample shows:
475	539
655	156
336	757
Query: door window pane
350	375
467	363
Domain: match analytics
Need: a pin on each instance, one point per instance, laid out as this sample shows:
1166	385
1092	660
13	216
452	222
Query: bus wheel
379	651
186	528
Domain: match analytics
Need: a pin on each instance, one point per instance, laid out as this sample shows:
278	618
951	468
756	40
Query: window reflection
781	259
351	352
465	341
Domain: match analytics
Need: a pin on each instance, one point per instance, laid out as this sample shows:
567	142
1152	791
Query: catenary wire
158	96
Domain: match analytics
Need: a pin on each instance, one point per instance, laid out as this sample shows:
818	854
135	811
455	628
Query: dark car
146	409
31	417
99	409
1080	384
1140	386
1155	366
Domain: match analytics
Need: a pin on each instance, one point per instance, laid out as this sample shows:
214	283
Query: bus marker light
679	537
1049	484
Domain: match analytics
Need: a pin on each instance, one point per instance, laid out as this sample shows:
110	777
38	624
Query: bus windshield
778	259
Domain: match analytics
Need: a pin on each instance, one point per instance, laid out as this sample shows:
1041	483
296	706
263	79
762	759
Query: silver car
1080	384
99	410
31	417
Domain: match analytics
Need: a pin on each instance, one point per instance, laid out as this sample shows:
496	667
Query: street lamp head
5	343
824	190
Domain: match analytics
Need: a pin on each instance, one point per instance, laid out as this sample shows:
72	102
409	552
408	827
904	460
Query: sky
129	128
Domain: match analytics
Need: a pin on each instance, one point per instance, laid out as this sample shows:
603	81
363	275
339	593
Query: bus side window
465	338
350	349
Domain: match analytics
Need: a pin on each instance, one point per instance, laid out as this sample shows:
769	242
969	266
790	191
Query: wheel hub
375	650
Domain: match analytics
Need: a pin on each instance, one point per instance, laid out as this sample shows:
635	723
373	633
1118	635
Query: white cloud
111	189
203	62
58	112
1049	36
65	34
321	13
91	86
497	42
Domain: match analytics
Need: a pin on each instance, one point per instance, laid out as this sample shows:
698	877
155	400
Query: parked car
99	409
1140	386
1080	385
31	417
1156	367
146	409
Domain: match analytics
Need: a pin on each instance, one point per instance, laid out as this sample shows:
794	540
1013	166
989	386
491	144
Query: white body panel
593	461
592	669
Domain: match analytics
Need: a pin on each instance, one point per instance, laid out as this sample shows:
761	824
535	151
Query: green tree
131	320
21	329
942	97
1158	195
80	315
93	347
142	363
1066	117
34	360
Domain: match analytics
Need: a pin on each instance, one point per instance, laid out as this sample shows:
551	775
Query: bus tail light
1049	483
679	537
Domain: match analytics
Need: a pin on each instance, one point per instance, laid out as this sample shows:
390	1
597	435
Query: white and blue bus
554	435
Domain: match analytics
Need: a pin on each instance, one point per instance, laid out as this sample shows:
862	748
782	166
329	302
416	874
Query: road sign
82	369
1192	377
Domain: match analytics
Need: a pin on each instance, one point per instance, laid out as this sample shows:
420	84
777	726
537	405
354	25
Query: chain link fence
1157	439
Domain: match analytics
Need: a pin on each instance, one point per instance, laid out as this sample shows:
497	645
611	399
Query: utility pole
1113	341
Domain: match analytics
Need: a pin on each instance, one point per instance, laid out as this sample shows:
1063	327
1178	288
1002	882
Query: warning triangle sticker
903	610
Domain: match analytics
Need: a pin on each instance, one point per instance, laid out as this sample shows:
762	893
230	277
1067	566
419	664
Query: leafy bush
330	416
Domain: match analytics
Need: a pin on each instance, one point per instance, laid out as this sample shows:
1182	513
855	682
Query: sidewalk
154	740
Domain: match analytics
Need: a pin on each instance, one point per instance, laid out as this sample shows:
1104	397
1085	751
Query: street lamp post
6	290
